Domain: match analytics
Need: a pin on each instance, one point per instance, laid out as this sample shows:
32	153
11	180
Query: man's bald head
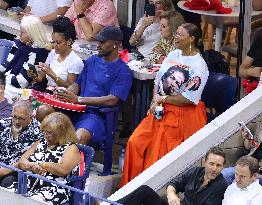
42	111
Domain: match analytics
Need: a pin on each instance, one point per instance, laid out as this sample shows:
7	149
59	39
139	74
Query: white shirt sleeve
77	64
63	3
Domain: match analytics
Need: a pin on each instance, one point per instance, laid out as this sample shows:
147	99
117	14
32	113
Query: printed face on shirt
165	28
20	119
243	176
213	166
60	44
173	79
24	37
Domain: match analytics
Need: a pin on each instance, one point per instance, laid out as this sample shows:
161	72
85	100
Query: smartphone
150	10
245	128
32	67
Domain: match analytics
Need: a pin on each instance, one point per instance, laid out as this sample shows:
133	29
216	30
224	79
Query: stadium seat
79	181
111	116
219	94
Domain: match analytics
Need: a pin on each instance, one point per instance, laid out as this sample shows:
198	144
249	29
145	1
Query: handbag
249	84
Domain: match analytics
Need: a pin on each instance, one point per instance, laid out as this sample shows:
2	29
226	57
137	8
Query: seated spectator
255	148
56	157
47	10
104	82
5	107
245	190
42	111
17	133
29	49
178	88
168	26
200	185
62	65
5	4
252	63
147	31
90	16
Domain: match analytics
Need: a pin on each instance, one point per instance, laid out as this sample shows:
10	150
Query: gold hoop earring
190	46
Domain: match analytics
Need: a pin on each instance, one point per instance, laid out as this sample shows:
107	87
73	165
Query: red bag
249	85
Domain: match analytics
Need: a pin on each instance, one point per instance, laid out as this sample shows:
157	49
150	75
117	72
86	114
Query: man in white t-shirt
47	10
245	190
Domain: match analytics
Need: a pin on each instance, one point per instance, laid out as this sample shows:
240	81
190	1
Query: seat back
220	93
5	48
111	116
79	181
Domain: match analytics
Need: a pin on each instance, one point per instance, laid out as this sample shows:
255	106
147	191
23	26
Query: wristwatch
79	16
80	99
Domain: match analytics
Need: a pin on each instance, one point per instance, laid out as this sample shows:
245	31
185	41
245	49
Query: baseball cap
109	33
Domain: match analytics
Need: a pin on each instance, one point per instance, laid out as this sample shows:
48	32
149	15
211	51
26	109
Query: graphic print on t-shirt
177	79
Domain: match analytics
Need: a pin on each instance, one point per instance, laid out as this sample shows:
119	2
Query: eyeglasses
14	117
47	133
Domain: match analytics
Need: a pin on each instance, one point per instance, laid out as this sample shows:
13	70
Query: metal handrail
22	186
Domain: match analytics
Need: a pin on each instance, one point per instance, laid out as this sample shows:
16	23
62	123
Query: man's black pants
142	195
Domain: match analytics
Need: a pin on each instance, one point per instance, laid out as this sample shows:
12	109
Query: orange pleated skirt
153	138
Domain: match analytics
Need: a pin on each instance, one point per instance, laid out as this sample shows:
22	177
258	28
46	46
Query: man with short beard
17	133
104	82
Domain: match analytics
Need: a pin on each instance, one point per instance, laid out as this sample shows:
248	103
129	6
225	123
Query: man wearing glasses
17	133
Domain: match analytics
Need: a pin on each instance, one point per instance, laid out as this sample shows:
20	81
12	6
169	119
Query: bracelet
164	98
135	36
79	16
43	165
56	79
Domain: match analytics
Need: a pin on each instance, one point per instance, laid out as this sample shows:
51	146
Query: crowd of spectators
44	141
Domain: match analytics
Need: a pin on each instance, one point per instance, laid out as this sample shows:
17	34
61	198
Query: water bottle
121	160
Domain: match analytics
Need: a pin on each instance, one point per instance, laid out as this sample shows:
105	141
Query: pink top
102	12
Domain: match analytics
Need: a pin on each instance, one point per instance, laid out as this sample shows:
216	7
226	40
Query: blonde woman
30	48
56	157
166	44
147	31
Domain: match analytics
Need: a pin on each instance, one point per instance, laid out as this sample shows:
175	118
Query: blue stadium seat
5	48
79	181
220	93
111	117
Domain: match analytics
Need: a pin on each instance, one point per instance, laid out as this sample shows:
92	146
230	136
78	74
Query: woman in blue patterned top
30	48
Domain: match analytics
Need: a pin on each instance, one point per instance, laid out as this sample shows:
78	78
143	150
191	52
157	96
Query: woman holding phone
62	65
147	31
30	48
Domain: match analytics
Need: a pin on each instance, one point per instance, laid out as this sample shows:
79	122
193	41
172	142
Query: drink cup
159	111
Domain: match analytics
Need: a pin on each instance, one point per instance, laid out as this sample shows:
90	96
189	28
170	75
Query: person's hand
46	69
2	172
255	71
147	21
152	108
244	134
66	95
81	6
173	199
